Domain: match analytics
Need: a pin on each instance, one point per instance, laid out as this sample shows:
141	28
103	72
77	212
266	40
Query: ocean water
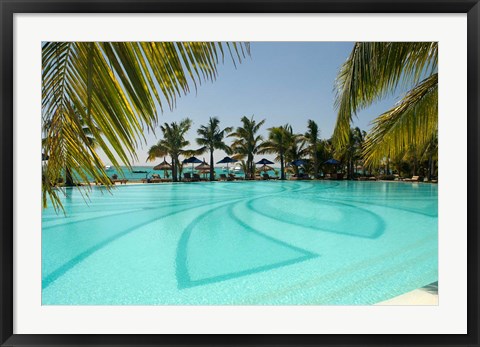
241	243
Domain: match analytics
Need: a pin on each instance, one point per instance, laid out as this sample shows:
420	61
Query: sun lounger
413	179
302	176
265	176
196	178
187	177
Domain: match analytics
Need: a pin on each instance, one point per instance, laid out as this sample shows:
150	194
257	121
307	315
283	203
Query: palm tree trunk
250	166
282	168
351	169
414	161
68	178
430	165
174	169
179	171
211	165
315	161
348	163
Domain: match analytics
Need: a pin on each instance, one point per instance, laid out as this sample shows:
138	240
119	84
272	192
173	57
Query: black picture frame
7	10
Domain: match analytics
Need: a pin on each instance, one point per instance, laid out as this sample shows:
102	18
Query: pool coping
424	296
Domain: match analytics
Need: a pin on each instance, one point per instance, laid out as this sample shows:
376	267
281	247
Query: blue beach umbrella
298	162
227	160
265	162
332	162
192	160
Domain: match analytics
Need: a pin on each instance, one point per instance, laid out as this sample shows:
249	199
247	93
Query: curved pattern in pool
241	243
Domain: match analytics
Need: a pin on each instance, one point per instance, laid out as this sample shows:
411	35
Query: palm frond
412	122
116	88
375	69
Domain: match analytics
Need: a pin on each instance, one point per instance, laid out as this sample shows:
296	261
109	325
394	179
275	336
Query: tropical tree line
247	142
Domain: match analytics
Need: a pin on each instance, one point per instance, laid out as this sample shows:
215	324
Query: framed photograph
239	173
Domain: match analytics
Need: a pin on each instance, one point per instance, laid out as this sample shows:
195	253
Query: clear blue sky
282	82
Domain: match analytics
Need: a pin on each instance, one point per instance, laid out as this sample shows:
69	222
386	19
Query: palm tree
172	144
359	140
311	136
211	138
325	151
430	153
279	141
117	86
375	69
296	148
243	166
247	142
351	151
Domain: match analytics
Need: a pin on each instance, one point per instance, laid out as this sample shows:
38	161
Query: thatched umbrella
203	167
163	166
204	173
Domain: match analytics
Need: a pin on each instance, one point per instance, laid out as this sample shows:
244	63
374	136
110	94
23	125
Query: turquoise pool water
241	243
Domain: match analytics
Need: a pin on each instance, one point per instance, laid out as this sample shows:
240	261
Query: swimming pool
241	243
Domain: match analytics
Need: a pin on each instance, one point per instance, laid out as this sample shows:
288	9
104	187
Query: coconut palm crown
296	148
247	143
278	142
211	138
173	144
